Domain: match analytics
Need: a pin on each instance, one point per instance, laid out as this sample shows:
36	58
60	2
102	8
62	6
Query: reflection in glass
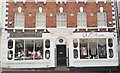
102	48
19	49
39	49
93	48
83	48
75	43
29	52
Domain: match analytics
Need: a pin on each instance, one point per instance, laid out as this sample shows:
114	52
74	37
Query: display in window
19	50
83	48
93	48
102	48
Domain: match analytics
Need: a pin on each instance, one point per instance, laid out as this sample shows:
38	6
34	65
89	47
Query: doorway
61	54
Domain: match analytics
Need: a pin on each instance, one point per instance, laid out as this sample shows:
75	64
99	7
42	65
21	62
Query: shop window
39	49
10	44
61	20
111	54
75	43
81	19
47	43
47	54
75	51
102	19
19	49
19	20
83	48
10	55
29	50
40	20
102	48
93	48
110	42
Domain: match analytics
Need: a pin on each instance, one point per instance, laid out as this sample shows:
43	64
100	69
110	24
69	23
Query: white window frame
61	21
102	19
81	19
17	20
41	21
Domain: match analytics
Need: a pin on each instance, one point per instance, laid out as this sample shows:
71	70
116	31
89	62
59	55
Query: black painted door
61	54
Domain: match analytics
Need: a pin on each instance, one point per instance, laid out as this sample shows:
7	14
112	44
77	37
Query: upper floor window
81	19
19	19
102	19
61	20
40	20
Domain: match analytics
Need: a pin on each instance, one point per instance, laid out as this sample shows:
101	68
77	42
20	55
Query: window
102	48
19	20
75	43
93	48
81	19
83	48
47	43
10	44
61	20
39	49
10	55
111	54
110	42
47	54
40	20
102	19
75	51
19	50
29	49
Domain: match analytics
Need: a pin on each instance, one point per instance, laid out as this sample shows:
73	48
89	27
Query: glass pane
47	54
75	51
10	55
19	50
93	48
110	42
83	48
10	44
75	43
61	20
111	54
47	43
29	50
39	49
102	48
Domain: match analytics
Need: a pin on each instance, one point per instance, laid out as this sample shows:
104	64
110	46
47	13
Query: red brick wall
52	7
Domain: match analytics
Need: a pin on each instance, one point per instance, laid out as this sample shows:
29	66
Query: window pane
102	48
75	43
83	48
93	48
10	44
47	54
39	49
110	42
19	20
10	55
61	20
29	51
102	18
75	51
81	19
40	20
111	54
47	43
19	50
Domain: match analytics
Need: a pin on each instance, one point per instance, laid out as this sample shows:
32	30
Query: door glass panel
83	48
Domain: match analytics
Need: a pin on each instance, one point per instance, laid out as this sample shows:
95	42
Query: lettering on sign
92	35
